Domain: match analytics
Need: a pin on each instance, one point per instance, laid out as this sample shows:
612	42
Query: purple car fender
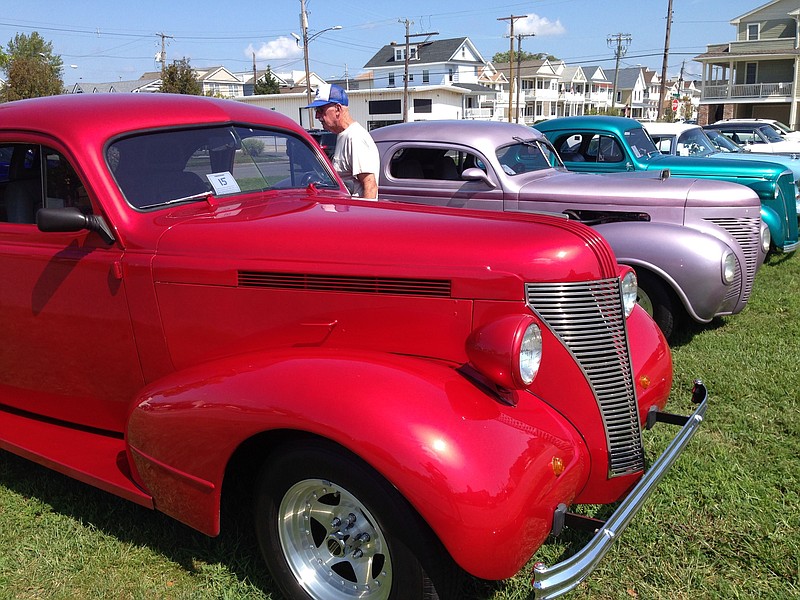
688	261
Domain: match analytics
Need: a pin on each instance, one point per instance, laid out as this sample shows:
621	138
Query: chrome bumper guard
551	582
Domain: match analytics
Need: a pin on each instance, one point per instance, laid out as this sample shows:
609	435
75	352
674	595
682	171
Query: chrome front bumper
550	582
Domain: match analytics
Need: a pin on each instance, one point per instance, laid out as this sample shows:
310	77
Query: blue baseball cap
328	93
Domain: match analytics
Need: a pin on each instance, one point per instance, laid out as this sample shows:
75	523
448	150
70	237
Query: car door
440	175
68	350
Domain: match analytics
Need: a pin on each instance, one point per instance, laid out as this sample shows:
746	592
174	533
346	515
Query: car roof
668	128
101	116
465	131
596	122
738	125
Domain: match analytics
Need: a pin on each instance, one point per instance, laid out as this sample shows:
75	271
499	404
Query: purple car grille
746	231
588	318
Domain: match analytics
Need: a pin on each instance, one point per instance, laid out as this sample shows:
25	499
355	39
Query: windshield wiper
201	196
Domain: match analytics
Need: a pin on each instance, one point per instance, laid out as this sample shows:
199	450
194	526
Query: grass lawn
724	523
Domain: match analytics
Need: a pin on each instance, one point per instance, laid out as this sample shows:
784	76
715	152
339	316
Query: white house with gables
598	89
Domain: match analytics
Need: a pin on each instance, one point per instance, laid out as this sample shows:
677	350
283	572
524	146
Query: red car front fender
482	474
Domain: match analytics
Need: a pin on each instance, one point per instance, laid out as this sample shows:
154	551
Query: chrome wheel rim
643	300
332	543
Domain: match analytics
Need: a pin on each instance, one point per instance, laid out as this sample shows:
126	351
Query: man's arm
370	185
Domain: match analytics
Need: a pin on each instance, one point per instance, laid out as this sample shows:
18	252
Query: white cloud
539	26
278	49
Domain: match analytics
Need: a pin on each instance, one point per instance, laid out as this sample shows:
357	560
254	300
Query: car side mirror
71	219
476	174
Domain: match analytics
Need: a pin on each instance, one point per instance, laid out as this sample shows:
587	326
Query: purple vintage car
695	244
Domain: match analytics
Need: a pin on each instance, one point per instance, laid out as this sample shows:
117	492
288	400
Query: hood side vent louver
435	288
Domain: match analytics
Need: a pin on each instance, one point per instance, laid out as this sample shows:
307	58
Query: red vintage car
192	297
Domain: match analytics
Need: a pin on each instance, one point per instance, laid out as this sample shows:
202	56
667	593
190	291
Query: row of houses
446	79
756	75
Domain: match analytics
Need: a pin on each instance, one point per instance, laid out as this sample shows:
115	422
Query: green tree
266	84
31	68
178	78
502	57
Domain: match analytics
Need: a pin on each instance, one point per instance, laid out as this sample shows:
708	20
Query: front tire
331	528
659	302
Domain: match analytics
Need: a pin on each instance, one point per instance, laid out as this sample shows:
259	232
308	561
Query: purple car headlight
728	267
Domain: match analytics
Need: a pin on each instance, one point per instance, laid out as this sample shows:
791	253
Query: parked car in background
679	139
695	244
757	136
786	132
618	145
402	393
325	139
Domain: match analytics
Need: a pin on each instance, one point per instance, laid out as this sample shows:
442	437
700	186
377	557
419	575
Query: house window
423	105
391	79
450	75
385	107
752	32
426	76
751	70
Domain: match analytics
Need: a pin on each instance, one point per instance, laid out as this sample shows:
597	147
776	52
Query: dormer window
400	53
752	32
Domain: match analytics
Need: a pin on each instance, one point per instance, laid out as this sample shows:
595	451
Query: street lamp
306	39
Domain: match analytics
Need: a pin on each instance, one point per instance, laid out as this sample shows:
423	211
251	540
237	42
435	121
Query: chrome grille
587	316
746	231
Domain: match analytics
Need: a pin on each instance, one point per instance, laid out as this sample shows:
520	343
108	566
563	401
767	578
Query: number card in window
223	183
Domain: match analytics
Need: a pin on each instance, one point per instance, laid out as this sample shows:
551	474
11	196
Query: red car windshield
168	167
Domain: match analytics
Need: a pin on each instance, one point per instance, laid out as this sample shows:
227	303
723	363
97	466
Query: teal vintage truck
601	144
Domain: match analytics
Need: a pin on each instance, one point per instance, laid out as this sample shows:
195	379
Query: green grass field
724	523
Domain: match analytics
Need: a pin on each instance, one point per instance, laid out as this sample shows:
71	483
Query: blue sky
102	41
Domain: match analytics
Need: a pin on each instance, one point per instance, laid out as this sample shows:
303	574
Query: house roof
114	86
528	68
595	73
432	51
475	87
626	78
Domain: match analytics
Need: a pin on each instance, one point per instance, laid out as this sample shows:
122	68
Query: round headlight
630	290
530	353
766	237
728	267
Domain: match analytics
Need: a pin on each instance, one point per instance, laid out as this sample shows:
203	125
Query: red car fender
485	476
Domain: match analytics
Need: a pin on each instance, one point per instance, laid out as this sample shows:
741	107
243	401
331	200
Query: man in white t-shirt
356	157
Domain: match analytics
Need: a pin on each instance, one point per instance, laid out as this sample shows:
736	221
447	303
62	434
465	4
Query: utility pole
255	79
621	41
162	56
663	86
511	19
408	23
519	69
304	29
